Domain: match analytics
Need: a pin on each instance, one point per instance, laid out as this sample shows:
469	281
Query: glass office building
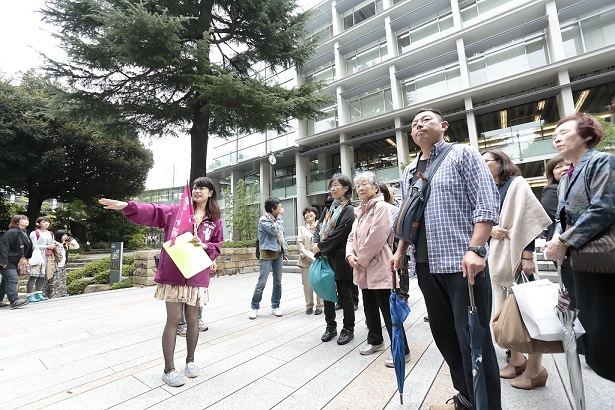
503	72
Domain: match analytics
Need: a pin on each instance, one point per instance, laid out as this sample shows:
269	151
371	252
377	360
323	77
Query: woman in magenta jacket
172	286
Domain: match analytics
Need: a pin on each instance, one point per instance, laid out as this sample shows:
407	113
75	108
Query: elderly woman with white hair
368	251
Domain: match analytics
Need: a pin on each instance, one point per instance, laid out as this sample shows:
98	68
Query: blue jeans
266	266
9	283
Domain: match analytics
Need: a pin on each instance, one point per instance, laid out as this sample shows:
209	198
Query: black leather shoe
345	337
318	312
330	333
309	311
338	306
426	319
356	307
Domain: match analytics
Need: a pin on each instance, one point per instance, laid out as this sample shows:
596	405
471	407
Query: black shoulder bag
408	221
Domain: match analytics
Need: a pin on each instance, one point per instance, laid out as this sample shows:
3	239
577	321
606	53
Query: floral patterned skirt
190	295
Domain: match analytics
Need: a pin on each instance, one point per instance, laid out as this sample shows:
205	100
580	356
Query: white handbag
37	258
537	301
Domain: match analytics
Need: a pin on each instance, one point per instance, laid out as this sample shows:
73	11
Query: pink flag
185	215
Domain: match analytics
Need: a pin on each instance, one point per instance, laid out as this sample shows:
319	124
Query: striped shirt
463	193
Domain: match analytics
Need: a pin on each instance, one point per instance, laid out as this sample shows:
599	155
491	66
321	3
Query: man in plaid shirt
451	252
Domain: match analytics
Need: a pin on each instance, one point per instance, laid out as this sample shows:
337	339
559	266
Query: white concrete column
392	50
336	19
396	91
216	183
470	118
302	165
565	100
235	176
346	156
554	35
265	182
457	23
403	144
463	63
387	4
340	62
343	108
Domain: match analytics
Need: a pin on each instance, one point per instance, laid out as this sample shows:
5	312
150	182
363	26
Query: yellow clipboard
189	258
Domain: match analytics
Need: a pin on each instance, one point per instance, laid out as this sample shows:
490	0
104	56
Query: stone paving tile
105	396
97	345
143	401
261	394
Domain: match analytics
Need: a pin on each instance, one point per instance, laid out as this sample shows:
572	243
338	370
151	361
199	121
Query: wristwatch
479	250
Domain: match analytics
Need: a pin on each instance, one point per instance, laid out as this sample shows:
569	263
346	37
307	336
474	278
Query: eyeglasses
333	186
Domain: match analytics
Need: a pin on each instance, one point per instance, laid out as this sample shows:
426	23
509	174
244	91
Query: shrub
77	287
102	277
251	243
136	241
100	245
98	270
124	283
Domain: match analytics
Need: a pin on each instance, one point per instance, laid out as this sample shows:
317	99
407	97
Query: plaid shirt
463	193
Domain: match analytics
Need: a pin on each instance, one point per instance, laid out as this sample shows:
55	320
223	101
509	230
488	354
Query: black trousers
344	294
374	302
594	293
447	300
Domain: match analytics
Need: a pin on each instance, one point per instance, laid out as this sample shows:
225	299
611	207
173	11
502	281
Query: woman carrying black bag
15	245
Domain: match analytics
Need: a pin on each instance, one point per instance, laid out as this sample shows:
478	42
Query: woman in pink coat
367	251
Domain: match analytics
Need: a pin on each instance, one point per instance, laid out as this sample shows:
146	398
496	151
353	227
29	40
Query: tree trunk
199	137
34	207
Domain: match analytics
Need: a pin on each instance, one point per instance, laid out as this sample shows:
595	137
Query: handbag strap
433	167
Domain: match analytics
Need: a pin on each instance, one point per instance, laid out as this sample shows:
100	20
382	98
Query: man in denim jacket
273	251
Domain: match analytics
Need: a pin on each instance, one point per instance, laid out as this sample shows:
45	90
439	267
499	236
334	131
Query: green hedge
124	283
99	271
239	244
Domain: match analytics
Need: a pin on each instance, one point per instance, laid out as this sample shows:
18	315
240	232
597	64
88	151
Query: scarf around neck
331	218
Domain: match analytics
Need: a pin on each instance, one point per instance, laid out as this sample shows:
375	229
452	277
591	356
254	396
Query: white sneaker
389	361
173	378
252	314
192	370
202	325
277	312
369	349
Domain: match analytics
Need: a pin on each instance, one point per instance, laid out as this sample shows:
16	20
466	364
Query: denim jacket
268	234
589	198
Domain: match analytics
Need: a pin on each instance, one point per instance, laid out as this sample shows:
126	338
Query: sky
23	36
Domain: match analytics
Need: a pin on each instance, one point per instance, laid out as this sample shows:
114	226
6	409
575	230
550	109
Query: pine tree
174	65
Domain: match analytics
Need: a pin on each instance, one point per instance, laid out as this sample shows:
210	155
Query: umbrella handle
471	292
559	275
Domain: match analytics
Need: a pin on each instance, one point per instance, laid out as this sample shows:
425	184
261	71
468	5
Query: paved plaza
103	351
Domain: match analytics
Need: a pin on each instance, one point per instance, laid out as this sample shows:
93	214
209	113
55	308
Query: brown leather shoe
511	371
529	384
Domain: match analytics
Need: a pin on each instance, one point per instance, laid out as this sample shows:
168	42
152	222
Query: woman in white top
42	238
55	287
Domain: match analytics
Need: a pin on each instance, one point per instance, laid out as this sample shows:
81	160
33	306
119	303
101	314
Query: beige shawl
524	218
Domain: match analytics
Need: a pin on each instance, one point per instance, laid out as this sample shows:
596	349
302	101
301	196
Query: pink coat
370	241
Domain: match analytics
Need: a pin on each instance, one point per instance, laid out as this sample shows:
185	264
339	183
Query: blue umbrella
476	337
399	313
322	279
